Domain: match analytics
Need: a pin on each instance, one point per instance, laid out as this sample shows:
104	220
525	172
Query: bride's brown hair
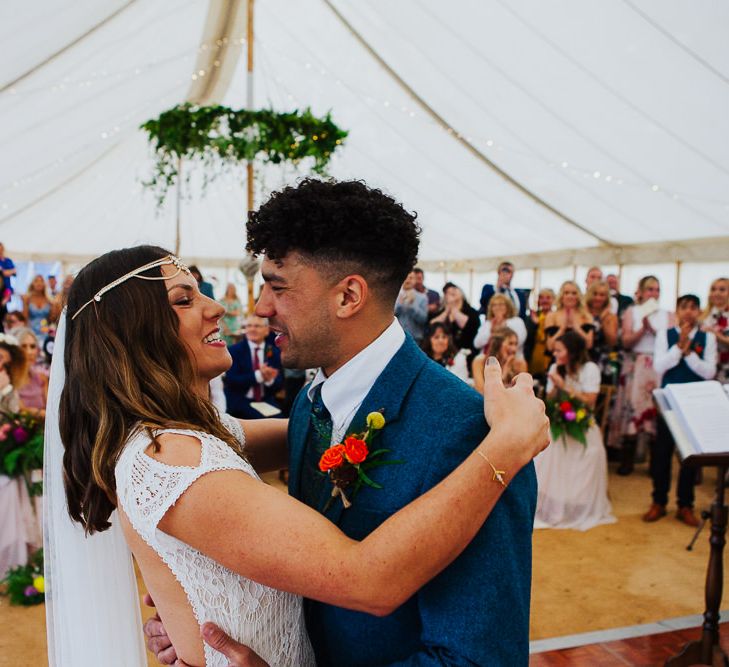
126	368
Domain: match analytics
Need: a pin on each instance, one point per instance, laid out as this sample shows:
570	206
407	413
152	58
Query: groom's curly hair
339	227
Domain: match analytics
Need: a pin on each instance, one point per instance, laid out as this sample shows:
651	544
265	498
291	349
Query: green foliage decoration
223	137
25	585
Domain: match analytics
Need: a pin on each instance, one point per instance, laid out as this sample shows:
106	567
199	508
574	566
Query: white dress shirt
345	389
259	376
665	358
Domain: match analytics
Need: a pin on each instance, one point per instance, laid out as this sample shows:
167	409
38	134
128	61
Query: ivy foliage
223	137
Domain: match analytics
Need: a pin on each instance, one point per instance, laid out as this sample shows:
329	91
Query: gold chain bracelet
498	474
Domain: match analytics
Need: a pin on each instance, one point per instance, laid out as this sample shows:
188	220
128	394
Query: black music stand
704	651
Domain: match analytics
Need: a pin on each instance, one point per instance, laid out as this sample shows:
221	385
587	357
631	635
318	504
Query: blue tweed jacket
476	612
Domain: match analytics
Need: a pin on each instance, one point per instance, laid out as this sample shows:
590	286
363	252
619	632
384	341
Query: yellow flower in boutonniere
581	414
375	420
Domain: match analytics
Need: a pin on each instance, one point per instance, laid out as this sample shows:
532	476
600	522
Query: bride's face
199	329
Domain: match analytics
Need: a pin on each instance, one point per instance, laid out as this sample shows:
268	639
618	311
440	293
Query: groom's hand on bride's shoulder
238	655
157	640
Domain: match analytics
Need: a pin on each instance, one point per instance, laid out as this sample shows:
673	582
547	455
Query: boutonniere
721	321
347	463
696	347
269	352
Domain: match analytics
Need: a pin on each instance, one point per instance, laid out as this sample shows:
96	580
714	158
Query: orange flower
355	450
332	458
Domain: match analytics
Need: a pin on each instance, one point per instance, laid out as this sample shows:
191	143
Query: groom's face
300	305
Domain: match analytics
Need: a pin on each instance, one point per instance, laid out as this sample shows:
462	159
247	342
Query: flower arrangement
347	463
25	585
569	416
21	447
220	135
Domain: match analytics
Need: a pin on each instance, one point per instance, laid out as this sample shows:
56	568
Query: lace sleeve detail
147	488
234	426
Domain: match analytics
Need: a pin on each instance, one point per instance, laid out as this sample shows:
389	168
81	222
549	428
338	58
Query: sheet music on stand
697	414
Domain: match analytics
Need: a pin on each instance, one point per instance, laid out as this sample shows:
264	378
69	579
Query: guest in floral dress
634	415
715	319
233	319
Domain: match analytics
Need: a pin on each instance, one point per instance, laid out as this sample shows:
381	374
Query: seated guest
32	379
619	303
411	309
571	315
501	313
503	345
715	319
438	345
433	296
572	477
458	314
605	335
538	358
256	374
683	353
519	297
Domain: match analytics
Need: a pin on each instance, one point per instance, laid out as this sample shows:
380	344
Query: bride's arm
271	538
265	445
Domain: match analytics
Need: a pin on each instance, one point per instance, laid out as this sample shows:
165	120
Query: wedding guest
572	476
715	319
605	336
460	316
233	318
571	315
519	297
37	306
256	374
634	414
61	298
411	309
14	320
7	268
683	353
205	287
594	275
439	346
12	361
53	288
31	383
433	296
539	359
501	313
618	302
504	345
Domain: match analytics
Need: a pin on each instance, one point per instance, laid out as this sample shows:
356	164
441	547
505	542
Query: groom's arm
476	612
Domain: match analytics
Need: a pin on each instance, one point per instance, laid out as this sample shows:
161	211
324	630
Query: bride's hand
515	411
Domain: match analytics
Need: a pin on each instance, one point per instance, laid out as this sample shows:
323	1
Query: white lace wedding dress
269	621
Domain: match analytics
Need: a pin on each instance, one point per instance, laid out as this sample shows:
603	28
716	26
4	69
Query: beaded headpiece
162	261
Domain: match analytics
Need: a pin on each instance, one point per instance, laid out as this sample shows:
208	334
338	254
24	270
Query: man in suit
256	374
619	302
335	257
519	296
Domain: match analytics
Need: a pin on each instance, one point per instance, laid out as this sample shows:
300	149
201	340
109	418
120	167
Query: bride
145	452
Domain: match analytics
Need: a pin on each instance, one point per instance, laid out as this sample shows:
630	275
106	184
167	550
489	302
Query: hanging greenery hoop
223	138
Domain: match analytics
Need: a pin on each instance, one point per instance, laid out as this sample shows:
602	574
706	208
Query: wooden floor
648	651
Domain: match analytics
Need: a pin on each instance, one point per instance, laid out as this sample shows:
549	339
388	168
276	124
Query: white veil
92	604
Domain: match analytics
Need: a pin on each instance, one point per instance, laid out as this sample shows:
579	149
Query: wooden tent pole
249	105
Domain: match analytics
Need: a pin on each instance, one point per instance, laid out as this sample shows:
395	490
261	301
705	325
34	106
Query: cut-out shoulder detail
271	622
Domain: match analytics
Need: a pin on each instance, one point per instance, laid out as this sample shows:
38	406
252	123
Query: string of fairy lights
489	144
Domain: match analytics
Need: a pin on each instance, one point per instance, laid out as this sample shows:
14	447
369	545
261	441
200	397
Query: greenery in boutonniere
222	137
347	463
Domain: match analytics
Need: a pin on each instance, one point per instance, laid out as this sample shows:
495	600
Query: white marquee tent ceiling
548	131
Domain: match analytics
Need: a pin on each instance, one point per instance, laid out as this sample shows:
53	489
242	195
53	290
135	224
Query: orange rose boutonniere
346	464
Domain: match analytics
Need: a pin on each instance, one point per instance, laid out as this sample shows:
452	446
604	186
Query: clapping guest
458	314
519	297
231	321
411	309
501	313
715	319
538	357
634	414
503	345
31	382
37	307
571	315
256	374
605	336
438	345
433	296
572	476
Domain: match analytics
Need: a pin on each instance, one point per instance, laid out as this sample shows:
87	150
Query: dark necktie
318	440
257	393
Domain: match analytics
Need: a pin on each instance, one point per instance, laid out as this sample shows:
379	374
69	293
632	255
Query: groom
336	255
